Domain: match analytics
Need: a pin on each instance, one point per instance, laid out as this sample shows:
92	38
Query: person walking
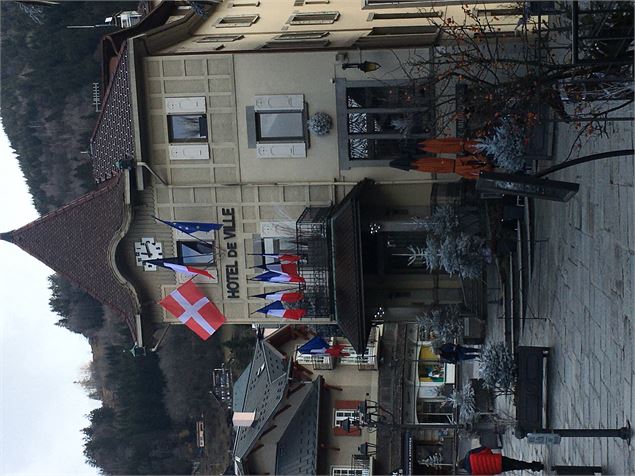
453	353
485	462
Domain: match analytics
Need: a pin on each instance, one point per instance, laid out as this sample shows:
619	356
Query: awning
346	268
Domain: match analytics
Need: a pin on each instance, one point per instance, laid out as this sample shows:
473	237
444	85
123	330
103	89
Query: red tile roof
113	137
76	242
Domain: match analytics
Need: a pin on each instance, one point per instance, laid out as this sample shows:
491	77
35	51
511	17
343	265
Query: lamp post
625	432
366	66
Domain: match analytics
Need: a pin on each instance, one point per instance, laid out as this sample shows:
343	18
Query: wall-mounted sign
232	283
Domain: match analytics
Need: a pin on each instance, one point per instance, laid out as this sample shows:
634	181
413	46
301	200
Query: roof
347	269
267	382
113	136
240	390
77	241
298	448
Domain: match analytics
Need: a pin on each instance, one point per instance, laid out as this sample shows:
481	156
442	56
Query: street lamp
366	66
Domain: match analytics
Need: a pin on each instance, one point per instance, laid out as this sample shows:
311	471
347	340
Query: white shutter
185	105
279	102
281	150
189	152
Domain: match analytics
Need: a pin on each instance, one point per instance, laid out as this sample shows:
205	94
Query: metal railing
313	246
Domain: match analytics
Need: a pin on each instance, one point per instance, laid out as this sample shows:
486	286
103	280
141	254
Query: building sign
232	284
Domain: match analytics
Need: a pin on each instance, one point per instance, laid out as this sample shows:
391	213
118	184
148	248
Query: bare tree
515	73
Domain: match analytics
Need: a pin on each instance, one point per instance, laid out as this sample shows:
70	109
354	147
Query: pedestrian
484	461
453	353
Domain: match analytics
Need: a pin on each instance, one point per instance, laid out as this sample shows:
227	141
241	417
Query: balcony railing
312	242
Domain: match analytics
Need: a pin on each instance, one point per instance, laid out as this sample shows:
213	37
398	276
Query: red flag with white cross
190	306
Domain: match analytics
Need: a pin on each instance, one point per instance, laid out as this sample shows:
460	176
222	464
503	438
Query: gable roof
77	241
113	137
266	385
297	450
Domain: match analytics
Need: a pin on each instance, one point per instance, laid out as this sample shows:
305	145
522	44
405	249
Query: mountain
150	404
46	85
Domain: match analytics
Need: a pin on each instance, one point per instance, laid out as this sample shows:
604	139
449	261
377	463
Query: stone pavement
582	296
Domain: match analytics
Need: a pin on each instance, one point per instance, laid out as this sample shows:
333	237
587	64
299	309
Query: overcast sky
43	410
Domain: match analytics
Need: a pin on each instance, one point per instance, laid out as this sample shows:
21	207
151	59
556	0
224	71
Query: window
499	11
244	4
301	35
432	411
196	253
187	127
279	126
346	471
400	36
313	18
237	21
276	126
343	415
220	38
378	123
399	3
402	15
277	44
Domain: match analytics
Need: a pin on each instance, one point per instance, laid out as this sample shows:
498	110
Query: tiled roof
240	390
113	137
75	241
297	450
348	284
266	385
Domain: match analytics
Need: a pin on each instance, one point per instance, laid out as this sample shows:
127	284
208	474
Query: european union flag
191	226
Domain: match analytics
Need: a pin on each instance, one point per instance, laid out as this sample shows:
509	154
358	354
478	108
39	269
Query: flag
281	268
318	346
282	296
188	304
191	226
280	257
277	309
273	277
177	265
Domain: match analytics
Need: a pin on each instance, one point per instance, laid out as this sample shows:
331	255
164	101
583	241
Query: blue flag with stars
191	226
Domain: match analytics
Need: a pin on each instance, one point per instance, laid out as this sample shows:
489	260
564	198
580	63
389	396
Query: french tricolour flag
175	265
273	277
277	309
282	268
319	346
282	296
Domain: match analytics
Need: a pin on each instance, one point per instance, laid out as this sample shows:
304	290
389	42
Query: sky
42	408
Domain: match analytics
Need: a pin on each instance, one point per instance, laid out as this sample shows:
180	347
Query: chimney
244	419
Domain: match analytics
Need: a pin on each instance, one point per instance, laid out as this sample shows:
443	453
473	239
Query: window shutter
189	152
185	105
281	150
279	102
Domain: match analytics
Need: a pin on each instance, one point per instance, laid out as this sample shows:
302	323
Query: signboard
232	283
543	438
526	186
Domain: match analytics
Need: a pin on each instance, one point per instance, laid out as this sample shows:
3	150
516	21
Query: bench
530	394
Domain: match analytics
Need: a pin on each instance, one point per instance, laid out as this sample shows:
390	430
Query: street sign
526	186
543	438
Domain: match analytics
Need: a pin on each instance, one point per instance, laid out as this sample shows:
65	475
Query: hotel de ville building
205	117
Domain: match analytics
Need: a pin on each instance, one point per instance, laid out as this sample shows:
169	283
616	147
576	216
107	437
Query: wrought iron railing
313	246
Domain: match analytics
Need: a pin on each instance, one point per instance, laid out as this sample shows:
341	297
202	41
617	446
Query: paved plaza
580	303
